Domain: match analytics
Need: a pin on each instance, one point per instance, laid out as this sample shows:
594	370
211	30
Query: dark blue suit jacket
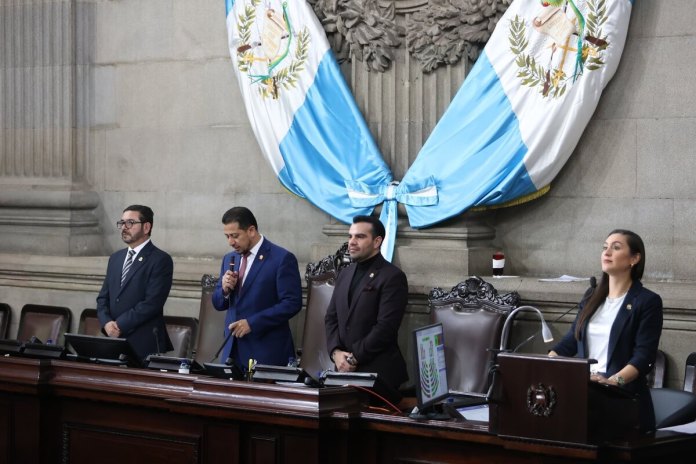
633	339
271	295
138	306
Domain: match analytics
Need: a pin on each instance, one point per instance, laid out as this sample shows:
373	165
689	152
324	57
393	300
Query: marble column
46	204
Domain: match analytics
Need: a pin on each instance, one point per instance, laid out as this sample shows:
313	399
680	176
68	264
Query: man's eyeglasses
127	224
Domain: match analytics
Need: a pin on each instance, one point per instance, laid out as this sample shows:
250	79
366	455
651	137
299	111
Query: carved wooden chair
472	314
89	323
5	315
320	277
44	322
183	332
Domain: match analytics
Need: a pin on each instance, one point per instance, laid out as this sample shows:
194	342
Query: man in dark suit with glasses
130	304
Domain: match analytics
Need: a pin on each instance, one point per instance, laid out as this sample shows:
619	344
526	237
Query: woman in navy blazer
620	323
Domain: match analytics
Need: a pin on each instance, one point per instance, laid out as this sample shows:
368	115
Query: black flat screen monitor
430	369
102	349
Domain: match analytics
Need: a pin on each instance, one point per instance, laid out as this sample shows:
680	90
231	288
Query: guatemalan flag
301	110
524	105
505	136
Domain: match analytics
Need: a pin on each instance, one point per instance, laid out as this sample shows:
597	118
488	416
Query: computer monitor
102	349
430	369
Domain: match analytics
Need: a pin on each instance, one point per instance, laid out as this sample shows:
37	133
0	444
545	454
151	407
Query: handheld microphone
155	333
232	264
585	297
217	353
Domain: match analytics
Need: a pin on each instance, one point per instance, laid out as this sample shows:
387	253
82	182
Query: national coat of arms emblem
573	42
271	53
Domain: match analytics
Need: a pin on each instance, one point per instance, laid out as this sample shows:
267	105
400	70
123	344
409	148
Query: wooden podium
551	399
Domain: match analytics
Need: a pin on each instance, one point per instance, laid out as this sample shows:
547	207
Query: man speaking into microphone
260	288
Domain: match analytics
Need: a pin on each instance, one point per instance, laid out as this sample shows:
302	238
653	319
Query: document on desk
565	278
689	428
474	413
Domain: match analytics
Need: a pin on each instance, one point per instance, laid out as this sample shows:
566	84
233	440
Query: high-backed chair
690	373
5	315
673	407
320	278
44	322
472	315
89	323
183	332
211	323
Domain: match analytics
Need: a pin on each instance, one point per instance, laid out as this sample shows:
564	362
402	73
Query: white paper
565	278
689	428
475	413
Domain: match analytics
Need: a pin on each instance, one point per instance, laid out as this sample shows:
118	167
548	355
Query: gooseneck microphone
585	297
217	353
155	333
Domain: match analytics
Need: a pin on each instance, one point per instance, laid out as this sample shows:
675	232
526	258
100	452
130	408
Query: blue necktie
127	266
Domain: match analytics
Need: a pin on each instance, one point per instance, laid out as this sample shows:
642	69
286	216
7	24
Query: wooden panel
221	444
77	413
300	448
20	441
6	435
87	446
262	449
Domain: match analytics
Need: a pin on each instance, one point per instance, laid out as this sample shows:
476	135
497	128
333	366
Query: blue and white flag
524	105
301	110
505	136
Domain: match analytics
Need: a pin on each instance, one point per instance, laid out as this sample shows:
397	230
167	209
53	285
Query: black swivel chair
5	316
183	332
44	322
656	376
690	373
89	323
673	407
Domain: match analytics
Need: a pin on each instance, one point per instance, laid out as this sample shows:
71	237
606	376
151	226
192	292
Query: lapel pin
629	306
140	259
372	274
260	257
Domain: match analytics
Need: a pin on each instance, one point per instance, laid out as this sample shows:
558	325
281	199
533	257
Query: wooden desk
61	411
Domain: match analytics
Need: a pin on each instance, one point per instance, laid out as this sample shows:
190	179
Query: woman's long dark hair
635	244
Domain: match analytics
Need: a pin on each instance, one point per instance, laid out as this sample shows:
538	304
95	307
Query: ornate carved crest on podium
541	400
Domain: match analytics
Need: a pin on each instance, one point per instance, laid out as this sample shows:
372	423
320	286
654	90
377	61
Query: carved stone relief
436	32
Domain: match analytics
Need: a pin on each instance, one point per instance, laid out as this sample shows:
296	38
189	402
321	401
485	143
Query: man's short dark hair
145	212
377	226
242	216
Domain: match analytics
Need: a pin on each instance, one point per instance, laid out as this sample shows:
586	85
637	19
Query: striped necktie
242	270
127	266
